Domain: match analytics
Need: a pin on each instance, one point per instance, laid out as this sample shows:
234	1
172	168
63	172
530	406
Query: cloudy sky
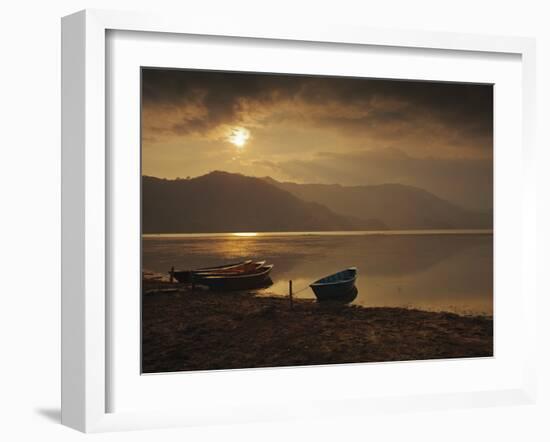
305	129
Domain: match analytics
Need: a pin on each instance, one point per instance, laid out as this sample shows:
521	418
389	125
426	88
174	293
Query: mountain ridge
228	202
225	202
399	206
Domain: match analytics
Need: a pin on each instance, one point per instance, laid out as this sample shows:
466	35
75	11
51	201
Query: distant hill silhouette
396	205
226	202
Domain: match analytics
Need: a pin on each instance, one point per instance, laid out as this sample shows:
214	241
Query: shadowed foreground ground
203	331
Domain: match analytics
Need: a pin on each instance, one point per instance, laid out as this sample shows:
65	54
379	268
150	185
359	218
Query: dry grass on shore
202	331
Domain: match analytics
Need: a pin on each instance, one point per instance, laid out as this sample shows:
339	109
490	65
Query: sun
239	136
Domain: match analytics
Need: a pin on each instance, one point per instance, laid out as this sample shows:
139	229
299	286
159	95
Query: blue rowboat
337	286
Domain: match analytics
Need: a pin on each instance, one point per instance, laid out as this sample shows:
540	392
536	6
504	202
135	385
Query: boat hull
187	276
337	287
257	280
335	292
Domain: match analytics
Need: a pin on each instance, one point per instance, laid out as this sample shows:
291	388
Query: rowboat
246	267
338	286
184	276
258	278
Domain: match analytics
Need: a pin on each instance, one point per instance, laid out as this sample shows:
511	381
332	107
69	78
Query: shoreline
387	232
184	331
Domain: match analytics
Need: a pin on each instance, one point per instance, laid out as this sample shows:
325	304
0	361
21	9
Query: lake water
429	270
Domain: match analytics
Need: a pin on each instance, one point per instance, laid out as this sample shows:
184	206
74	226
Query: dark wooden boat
184	276
258	278
338	286
247	267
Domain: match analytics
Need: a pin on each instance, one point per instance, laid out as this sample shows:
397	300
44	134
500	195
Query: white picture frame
86	206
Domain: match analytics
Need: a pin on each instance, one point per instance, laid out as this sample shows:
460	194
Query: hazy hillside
224	202
397	206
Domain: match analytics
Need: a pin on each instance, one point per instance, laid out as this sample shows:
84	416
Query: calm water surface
435	270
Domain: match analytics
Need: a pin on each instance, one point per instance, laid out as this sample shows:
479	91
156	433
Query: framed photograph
262	223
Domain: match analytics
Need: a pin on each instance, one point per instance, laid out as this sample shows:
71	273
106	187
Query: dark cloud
360	104
220	94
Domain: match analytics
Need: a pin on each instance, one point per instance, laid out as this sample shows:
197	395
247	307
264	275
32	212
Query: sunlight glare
239	136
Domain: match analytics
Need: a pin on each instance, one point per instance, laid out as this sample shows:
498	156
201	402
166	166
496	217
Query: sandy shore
202	331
